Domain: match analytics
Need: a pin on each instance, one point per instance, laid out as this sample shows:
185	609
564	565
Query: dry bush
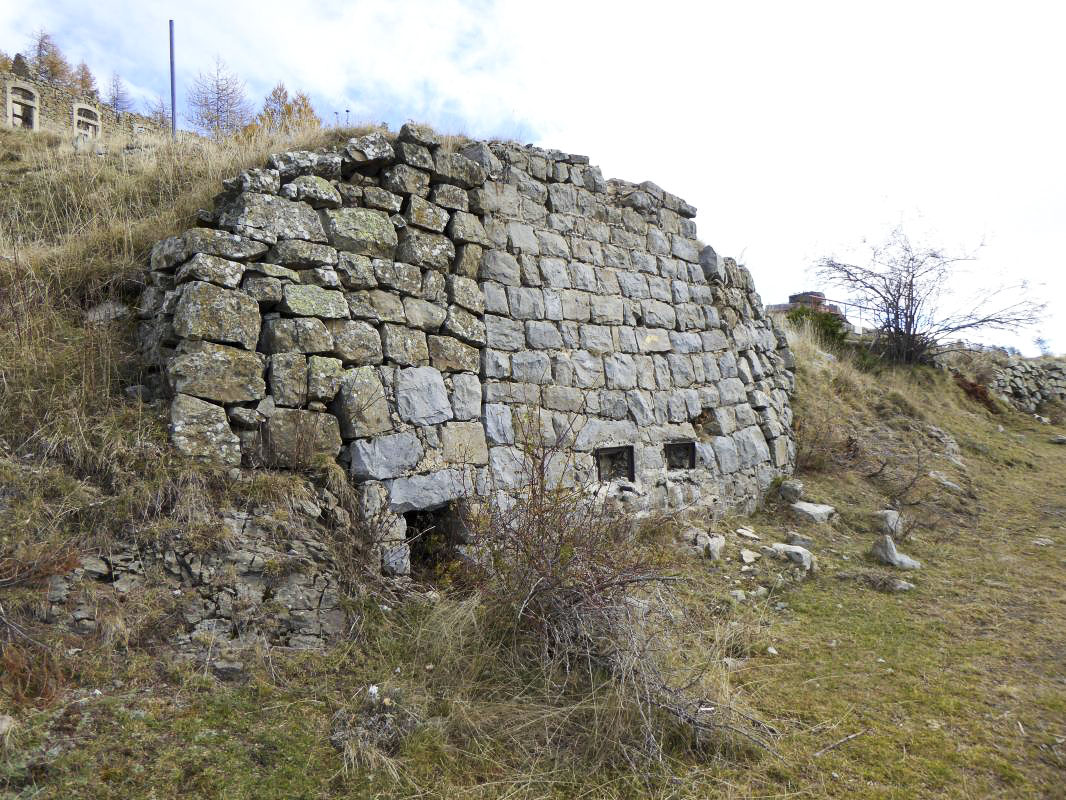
571	588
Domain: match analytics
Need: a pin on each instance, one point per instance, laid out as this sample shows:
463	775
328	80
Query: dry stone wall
1029	384
424	315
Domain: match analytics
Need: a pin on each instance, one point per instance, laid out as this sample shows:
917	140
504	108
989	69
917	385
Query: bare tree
118	97
904	286
218	102
158	111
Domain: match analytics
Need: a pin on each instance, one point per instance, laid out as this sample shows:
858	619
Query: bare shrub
560	566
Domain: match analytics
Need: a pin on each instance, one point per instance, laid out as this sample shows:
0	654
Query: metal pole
173	109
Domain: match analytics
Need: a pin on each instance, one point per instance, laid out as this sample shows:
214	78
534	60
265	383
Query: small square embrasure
680	455
614	463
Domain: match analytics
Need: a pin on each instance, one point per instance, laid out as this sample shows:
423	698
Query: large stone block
465	292
465	228
385	457
421	397
323	378
206	311
361	231
313	301
404	179
219	373
464	443
369	150
296	438
268	218
466	396
355	342
451	355
464	325
429	250
302	335
426	492
423	314
457	169
201	430
175	250
424	214
298	253
405	346
288	379
360	405
211	269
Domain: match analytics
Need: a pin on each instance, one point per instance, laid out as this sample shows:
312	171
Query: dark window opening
88	114
615	463
681	455
432	537
22	116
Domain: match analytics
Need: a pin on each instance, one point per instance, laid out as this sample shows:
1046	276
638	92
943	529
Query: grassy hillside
956	688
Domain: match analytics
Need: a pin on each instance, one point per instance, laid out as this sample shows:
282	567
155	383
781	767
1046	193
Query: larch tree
47	60
218	102
5	62
283	113
118	96
85	81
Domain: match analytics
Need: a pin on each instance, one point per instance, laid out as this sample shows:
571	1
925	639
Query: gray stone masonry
424	315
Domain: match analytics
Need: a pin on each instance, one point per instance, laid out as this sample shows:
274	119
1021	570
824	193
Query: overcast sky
798	129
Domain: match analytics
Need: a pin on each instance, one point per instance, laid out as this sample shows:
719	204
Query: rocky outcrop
422	315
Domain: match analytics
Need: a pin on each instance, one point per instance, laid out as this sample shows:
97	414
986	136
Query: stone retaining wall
424	316
1028	384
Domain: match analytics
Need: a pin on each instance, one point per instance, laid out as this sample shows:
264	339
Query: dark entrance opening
432	536
615	463
680	455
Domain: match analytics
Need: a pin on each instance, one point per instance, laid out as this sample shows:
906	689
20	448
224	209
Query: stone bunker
430	318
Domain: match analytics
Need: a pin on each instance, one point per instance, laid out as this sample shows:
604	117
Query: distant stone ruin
425	316
1027	385
38	105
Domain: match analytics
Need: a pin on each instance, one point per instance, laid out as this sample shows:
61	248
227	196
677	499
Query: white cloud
797	128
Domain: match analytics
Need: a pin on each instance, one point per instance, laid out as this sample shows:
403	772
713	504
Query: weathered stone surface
403	179
206	311
200	430
464	325
268	218
369	150
424	214
421	398
362	231
313	190
466	396
425	249
465	228
451	355
800	556
356	343
423	314
313	301
889	521
466	293
219	373
385	457
295	437
301	335
211	269
457	169
464	443
360	404
884	551
175	250
418	134
288	379
813	512
323	378
415	155
447	196
405	346
426	492
298	253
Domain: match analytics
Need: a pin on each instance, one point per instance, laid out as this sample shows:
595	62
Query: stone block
466	293
464	325
206	311
503	333
211	269
377	305
424	214
495	199
385	457
360	404
323	378
531	367
201	430
314	190
355	342
426	492
423	314
522	239
268	218
406	278
404	179
219	373
596	338
296	438
414	155
450	355
457	169
467	260
381	199
725	452
543	336
447	196
175	250
301	335
464	443
265	291
466	396
421	397
313	301
288	379
429	250
362	231
499	424
465	228
499	266
403	345
525	302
